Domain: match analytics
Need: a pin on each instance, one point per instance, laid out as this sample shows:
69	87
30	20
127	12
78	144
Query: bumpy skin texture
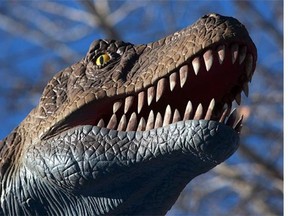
57	162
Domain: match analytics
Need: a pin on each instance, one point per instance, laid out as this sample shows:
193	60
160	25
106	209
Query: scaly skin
92	146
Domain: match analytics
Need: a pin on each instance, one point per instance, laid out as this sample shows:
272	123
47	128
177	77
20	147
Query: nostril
214	15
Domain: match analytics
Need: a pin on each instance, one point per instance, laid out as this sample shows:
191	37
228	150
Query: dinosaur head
126	128
194	74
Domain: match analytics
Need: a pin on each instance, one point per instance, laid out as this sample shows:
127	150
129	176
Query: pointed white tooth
199	112
173	80
141	101
141	125
225	113
167	116
208	59
150	121
158	121
231	118
122	123
176	116
221	53
238	124
238	98
188	111
112	122
132	123
128	103
101	123
249	66
150	94
234	52
196	65
160	88
183	72
116	106
210	110
242	54
246	89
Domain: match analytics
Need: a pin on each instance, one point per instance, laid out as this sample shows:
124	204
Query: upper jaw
203	87
169	84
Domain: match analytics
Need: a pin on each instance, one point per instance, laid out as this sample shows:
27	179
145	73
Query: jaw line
220	136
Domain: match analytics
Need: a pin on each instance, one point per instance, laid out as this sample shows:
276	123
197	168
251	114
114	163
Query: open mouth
204	87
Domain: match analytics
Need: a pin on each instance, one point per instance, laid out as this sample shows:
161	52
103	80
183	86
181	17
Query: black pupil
101	60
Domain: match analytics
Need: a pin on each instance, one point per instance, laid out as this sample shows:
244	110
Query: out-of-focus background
38	38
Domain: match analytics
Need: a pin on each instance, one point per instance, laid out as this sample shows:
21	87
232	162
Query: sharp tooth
221	53
246	89
242	54
208	59
238	124
198	113
158	121
188	111
128	103
150	94
160	88
183	72
225	114
101	123
141	125
196	65
116	106
141	100
112	122
173	80
122	123
167	116
238	98
150	121
234	50
249	66
231	118
176	116
132	123
210	110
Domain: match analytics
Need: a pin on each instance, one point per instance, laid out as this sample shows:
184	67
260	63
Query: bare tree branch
263	23
254	182
12	26
100	16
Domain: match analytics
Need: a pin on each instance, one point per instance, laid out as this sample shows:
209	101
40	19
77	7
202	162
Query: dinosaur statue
125	129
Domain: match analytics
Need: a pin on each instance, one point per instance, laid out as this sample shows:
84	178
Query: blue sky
23	60
26	59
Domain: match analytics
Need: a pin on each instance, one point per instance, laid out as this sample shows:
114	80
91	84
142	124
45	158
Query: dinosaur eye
102	59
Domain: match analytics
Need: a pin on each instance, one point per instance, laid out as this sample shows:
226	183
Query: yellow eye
102	59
